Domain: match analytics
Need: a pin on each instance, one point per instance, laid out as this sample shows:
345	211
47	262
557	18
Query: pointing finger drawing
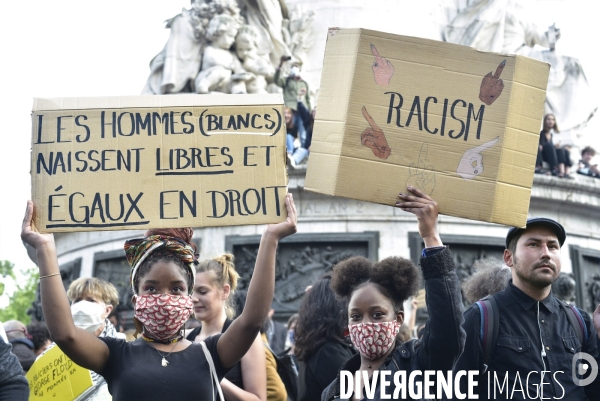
491	85
471	163
374	138
383	70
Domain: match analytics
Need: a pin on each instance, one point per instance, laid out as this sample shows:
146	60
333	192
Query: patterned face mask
373	340
162	315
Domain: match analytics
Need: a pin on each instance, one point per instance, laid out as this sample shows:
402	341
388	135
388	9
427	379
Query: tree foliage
20	300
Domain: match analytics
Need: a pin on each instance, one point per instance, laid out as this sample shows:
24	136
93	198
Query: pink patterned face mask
162	315
373	340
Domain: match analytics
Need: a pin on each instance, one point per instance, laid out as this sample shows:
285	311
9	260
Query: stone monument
501	26
229	46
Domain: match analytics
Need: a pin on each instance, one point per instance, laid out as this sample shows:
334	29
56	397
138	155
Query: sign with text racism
54	376
158	161
460	124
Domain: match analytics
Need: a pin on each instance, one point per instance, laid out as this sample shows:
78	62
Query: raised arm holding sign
162	280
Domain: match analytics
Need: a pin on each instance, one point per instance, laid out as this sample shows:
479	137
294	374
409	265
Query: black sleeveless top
235	374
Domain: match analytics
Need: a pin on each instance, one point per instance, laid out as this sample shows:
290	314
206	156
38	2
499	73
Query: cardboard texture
54	376
460	124
158	161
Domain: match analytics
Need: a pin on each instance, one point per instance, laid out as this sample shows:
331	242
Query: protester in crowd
296	98
585	164
115	319
275	387
213	297
92	302
276	334
23	347
491	276
40	336
550	150
13	385
412	321
375	293
535	332
290	341
320	345
296	154
161	364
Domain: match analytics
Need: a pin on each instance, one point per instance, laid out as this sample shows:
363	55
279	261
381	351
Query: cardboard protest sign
54	376
460	124
158	161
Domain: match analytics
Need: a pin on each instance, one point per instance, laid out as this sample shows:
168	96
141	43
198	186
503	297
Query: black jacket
13	385
443	339
518	349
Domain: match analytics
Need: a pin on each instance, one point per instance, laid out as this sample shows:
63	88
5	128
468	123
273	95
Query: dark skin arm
82	347
426	211
238	338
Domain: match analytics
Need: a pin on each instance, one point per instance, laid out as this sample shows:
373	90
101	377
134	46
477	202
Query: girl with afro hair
375	293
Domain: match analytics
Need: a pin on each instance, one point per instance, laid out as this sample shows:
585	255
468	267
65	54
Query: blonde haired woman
216	281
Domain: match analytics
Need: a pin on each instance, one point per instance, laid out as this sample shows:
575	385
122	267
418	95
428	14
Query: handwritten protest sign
158	161
460	124
54	376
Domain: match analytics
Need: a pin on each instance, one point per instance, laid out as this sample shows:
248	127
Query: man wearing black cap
518	333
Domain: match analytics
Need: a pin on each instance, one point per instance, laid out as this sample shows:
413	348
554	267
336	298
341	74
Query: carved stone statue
204	55
499	26
218	62
258	67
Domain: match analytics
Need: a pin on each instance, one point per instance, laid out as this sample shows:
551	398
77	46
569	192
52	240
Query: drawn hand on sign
374	138
383	70
471	164
492	85
422	175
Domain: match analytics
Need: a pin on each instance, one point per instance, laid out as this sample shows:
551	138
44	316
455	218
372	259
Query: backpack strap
489	327
576	321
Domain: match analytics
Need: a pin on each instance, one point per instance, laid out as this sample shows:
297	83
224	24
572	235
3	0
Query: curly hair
396	278
39	334
223	272
491	276
161	255
322	317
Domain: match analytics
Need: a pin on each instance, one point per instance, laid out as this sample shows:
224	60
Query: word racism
456	115
430	384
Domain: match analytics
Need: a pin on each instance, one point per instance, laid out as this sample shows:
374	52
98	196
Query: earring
346	332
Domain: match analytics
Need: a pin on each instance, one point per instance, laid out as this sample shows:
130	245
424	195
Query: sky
66	48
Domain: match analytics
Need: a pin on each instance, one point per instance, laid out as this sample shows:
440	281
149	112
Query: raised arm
444	338
236	340
82	347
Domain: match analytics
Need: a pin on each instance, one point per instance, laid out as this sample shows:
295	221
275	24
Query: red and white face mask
373	340
162	315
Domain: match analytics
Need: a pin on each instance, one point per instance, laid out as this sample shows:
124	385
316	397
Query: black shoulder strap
489	327
576	321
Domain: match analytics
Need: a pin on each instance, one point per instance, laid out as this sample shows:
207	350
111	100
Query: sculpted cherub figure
218	62
258	67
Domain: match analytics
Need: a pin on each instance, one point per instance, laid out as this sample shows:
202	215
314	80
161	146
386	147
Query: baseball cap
558	229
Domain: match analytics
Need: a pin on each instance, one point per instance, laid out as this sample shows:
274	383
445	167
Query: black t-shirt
134	371
235	373
321	369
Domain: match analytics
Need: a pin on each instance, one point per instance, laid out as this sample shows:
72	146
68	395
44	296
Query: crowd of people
554	153
351	319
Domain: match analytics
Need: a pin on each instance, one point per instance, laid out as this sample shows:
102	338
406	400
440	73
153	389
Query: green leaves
20	300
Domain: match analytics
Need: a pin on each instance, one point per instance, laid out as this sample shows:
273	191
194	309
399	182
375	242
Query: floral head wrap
138	249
